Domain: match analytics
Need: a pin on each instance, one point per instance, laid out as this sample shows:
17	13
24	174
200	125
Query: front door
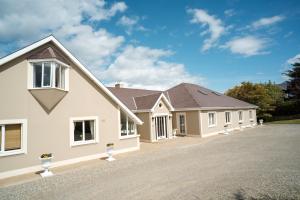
181	123
161	126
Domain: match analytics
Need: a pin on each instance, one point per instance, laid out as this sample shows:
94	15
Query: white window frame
23	149
96	129
215	124
120	131
251	115
53	62
230	117
240	120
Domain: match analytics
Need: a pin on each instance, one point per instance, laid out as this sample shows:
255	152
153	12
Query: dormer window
48	74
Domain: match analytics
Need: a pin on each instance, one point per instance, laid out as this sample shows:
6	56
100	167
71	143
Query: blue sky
158	44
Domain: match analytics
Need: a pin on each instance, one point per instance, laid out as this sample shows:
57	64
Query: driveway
257	162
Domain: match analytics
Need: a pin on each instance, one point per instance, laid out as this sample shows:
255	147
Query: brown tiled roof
186	95
147	101
133	98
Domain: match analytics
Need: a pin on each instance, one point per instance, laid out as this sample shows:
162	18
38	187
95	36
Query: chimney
118	85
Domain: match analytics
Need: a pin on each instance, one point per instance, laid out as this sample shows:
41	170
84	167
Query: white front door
181	123
161	126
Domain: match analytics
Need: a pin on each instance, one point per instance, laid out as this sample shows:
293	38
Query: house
152	107
203	112
50	103
188	108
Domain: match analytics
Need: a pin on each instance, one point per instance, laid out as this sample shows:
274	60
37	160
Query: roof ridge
147	94
184	85
221	94
134	89
134	103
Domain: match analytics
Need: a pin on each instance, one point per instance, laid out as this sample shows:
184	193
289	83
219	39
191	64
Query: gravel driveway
257	162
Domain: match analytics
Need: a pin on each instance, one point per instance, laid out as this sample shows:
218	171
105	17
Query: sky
158	44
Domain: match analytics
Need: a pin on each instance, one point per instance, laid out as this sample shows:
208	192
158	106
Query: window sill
211	126
11	153
48	88
128	137
74	144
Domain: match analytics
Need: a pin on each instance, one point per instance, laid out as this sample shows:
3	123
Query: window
84	130
182	123
227	117
240	113
127	125
250	115
12	137
211	119
48	74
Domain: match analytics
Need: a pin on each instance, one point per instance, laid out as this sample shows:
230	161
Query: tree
266	96
275	92
293	87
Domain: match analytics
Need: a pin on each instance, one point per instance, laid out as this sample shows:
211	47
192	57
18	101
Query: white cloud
97	10
267	21
131	24
294	60
229	12
247	46
143	67
94	48
215	27
29	20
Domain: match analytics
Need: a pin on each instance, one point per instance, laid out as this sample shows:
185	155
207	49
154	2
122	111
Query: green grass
292	121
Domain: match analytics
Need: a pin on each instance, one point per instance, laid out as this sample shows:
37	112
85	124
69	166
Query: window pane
130	126
181	123
211	118
89	131
227	117
37	74
123	124
57	75
63	72
12	137
78	131
47	74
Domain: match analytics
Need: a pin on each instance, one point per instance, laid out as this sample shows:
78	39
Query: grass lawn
292	121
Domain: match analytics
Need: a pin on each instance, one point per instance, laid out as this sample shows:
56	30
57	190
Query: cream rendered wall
192	122
145	129
50	133
206	130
